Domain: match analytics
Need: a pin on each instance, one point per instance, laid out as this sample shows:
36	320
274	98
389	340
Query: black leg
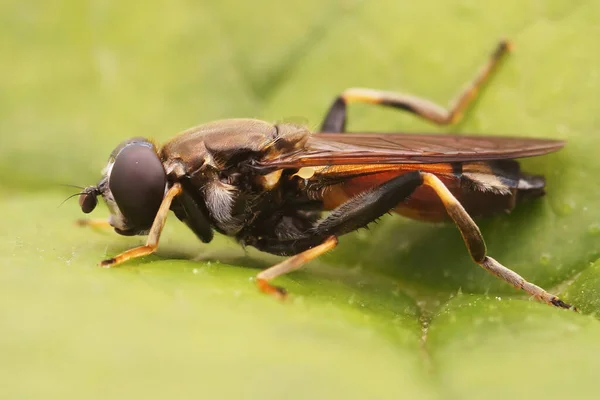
356	213
335	121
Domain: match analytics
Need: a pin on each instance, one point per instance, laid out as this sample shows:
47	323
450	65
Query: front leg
154	235
94	223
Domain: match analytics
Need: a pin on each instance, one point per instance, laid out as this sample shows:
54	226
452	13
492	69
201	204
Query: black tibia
193	212
335	120
356	213
366	207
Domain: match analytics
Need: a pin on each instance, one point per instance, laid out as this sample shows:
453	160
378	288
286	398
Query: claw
561	304
107	263
278	292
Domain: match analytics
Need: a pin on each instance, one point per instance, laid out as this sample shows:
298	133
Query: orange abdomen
423	203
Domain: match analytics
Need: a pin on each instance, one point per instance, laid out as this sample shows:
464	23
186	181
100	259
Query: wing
399	148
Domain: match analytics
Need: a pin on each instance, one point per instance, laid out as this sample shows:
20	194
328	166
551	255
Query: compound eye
137	182
88	200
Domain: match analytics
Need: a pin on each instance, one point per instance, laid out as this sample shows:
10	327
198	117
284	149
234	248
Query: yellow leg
289	265
335	121
476	245
154	235
94	223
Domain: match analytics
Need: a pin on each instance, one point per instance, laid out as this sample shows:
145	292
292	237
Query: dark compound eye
88	199
137	182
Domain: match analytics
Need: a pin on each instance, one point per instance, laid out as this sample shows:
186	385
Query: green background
398	311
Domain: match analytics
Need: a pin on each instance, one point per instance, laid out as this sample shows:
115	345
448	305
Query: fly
268	185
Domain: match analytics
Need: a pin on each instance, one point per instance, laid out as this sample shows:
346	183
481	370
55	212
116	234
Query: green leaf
398	311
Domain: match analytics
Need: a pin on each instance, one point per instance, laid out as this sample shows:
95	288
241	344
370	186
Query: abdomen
483	188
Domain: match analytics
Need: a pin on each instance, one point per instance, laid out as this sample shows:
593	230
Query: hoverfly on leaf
270	185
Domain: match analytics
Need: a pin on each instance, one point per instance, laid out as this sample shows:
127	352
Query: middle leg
366	207
356	213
